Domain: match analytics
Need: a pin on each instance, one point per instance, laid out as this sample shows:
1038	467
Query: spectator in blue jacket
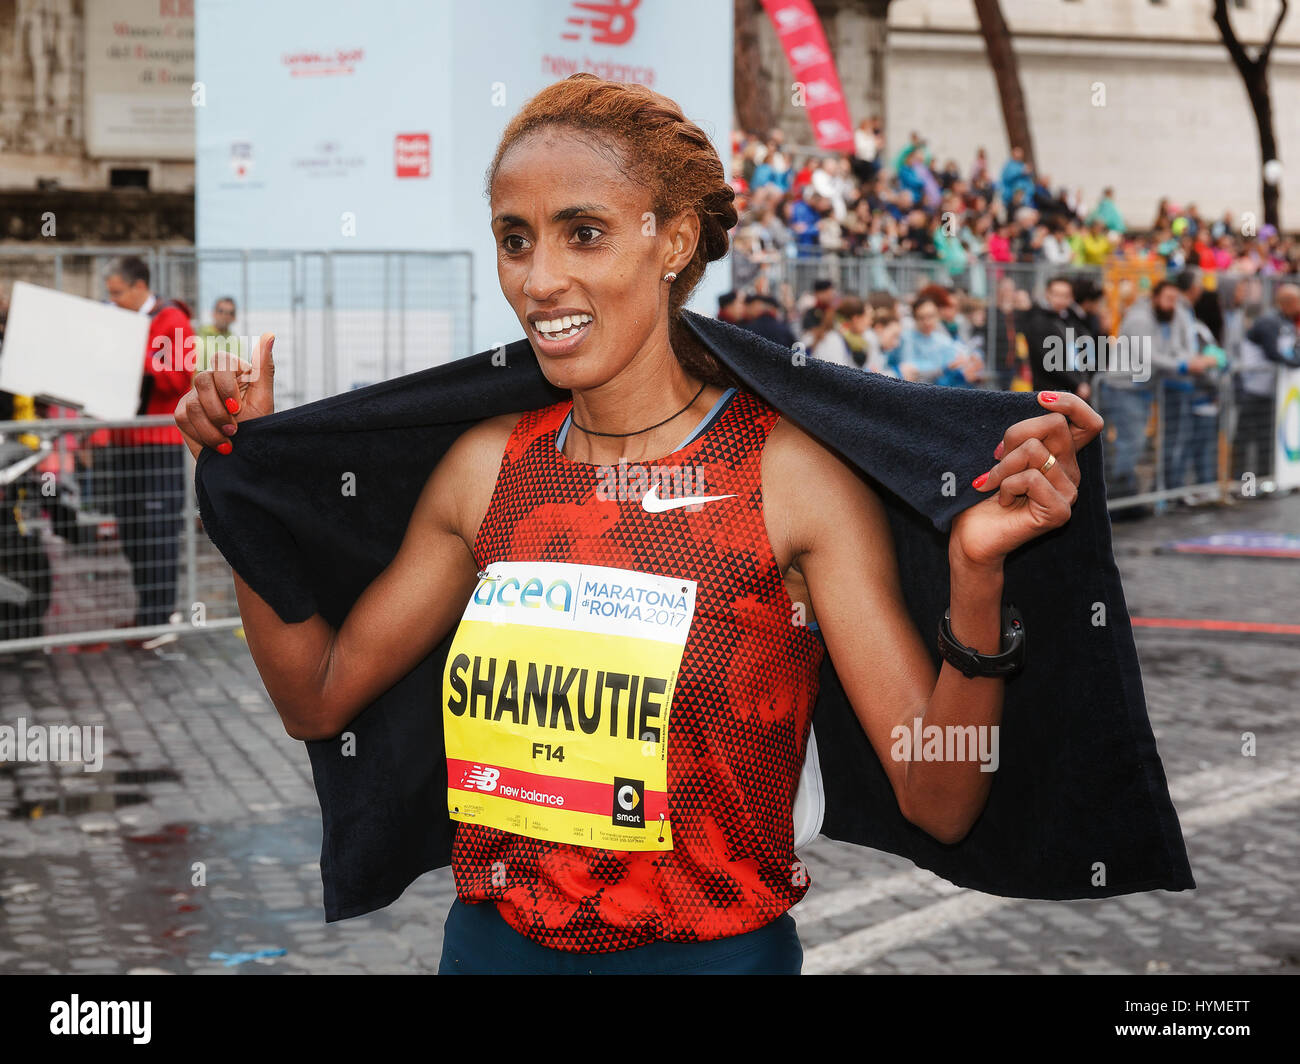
805	220
928	353
1017	176
774	170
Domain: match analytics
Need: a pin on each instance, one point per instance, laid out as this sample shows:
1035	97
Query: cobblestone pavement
96	870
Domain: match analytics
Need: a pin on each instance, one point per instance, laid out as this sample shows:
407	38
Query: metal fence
1163	440
342	319
100	539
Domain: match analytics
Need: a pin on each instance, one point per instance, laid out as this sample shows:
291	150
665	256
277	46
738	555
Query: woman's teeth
560	328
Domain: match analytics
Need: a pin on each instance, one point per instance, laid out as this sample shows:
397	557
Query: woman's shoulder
790	452
807	486
481	447
482	444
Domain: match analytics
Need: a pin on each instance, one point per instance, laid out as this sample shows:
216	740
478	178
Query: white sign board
74	351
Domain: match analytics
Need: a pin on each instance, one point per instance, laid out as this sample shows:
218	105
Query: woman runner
724	551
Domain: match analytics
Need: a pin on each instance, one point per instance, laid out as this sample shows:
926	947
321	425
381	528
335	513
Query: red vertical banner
804	41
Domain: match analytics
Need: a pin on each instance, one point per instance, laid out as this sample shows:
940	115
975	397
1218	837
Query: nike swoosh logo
655	505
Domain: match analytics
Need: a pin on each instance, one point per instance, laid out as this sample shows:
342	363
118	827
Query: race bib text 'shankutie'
557	695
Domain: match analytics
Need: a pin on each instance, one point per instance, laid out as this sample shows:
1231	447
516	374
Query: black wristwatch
1006	662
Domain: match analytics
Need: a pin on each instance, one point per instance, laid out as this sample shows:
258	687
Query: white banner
1286	430
74	350
336	127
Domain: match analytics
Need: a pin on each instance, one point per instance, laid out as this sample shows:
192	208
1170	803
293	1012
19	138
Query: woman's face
575	238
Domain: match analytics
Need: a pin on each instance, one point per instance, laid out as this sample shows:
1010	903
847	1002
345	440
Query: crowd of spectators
1008	268
1191	342
801	204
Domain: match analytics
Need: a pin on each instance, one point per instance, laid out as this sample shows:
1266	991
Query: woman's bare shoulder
459	489
808	487
793	455
481	446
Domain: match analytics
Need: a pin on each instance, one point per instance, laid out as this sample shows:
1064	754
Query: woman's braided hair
650	139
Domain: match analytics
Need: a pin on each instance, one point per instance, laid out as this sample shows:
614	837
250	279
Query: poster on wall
139	78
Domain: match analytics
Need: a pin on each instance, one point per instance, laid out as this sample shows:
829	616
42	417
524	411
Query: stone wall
42	136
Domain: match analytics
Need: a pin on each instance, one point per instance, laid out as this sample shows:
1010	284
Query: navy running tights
478	941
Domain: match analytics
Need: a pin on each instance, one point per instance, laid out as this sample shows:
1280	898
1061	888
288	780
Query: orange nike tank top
741	709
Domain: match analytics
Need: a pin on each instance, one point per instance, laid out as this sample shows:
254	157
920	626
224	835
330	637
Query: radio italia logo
530	593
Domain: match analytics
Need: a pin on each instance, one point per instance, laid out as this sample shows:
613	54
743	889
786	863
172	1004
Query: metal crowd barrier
100	541
1180	450
1202	446
342	319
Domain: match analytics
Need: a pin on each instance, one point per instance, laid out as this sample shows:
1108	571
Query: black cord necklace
593	432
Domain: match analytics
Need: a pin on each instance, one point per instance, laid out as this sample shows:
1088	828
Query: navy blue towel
1080	786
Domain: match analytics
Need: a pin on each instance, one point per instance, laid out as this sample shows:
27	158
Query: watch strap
971	663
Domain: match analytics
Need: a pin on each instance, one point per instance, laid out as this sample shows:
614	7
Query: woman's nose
545	274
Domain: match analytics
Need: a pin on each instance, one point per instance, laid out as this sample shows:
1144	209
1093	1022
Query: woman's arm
831	527
831	537
318	678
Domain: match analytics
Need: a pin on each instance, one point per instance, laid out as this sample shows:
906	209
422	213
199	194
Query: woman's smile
558	333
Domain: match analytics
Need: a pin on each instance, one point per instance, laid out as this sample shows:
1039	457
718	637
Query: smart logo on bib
629	803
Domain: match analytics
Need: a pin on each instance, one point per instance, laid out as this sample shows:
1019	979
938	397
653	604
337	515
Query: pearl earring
670	277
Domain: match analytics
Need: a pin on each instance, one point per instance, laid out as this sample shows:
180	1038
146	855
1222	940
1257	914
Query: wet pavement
196	848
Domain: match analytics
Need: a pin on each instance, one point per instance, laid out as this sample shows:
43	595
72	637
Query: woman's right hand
233	391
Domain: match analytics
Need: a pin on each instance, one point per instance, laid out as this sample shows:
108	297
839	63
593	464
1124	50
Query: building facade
96	121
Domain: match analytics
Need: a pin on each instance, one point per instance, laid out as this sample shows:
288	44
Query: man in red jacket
147	465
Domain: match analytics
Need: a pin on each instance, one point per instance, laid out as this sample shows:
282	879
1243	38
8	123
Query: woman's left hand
1029	501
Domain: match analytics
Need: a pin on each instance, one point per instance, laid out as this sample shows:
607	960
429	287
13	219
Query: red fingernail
1047	397
225	447
232	405
998	452
978	482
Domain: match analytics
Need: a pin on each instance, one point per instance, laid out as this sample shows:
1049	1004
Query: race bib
557	697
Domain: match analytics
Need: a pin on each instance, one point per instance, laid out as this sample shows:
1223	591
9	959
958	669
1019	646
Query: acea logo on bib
530	593
629	803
